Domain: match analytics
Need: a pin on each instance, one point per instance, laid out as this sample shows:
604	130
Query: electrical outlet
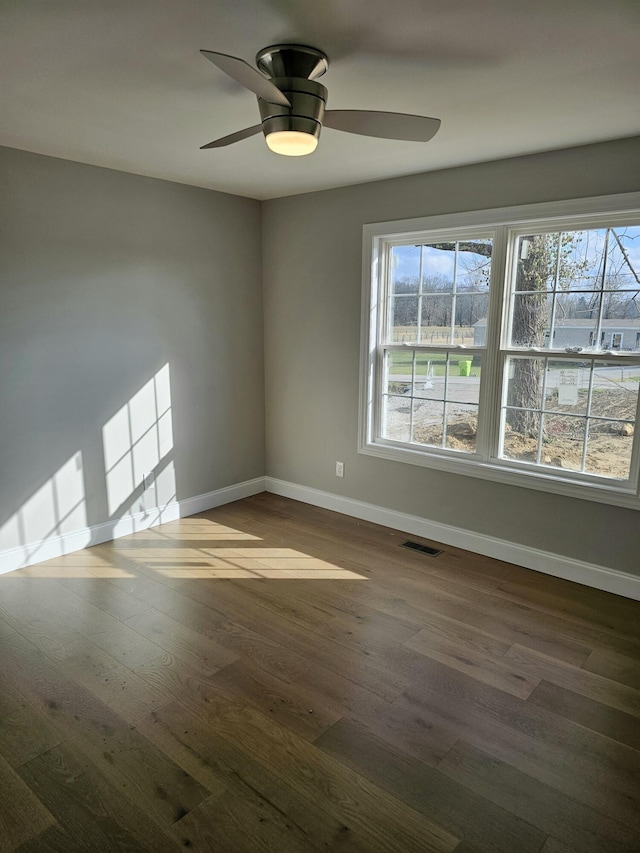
339	469
149	480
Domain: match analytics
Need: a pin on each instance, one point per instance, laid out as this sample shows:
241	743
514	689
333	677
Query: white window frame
501	225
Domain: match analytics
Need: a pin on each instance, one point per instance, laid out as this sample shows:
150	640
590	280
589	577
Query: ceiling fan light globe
292	143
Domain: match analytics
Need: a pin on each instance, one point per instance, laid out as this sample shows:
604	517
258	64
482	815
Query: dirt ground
608	447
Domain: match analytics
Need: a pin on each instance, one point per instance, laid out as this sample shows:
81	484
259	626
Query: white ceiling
120	83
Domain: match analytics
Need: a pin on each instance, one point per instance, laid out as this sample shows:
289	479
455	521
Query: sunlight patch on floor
153	552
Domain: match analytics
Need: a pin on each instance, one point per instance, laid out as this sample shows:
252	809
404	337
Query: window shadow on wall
139	479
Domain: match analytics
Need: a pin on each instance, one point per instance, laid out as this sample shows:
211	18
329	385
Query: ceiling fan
292	103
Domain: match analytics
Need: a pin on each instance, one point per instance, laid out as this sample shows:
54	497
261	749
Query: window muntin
488	454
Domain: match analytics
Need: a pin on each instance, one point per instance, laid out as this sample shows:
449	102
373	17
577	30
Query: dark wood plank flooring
270	676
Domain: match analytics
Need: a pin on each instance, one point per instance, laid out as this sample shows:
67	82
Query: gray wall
312	248
104	278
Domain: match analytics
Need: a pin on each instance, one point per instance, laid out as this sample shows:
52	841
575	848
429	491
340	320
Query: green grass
402	364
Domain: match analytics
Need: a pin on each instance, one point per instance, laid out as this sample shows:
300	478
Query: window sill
504	471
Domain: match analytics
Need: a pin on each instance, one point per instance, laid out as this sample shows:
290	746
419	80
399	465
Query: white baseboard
588	574
56	546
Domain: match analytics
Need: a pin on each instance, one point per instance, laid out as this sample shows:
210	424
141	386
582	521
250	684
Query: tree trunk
524	390
528	328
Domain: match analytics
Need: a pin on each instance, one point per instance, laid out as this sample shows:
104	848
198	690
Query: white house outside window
506	344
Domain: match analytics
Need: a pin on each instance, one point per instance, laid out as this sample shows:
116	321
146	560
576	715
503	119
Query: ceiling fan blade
247	76
383	125
234	137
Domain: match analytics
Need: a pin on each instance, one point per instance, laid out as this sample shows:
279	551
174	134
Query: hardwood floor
269	676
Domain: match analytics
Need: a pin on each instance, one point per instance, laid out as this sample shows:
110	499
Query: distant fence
462	335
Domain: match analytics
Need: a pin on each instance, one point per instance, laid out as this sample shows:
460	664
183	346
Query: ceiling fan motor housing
307	99
292	60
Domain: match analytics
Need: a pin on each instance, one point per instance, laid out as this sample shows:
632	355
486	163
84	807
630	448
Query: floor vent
424	549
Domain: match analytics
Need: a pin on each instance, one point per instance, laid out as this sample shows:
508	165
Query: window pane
462	427
405	269
396	419
615	391
524	388
404	274
403	320
399	369
429	375
470	309
520	442
609	448
463	385
536	262
436	319
531	320
562	442
577	289
428	419
566	386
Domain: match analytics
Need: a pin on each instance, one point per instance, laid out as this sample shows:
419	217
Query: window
436	292
506	345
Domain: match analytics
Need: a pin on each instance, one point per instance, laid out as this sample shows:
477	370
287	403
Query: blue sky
589	247
406	261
